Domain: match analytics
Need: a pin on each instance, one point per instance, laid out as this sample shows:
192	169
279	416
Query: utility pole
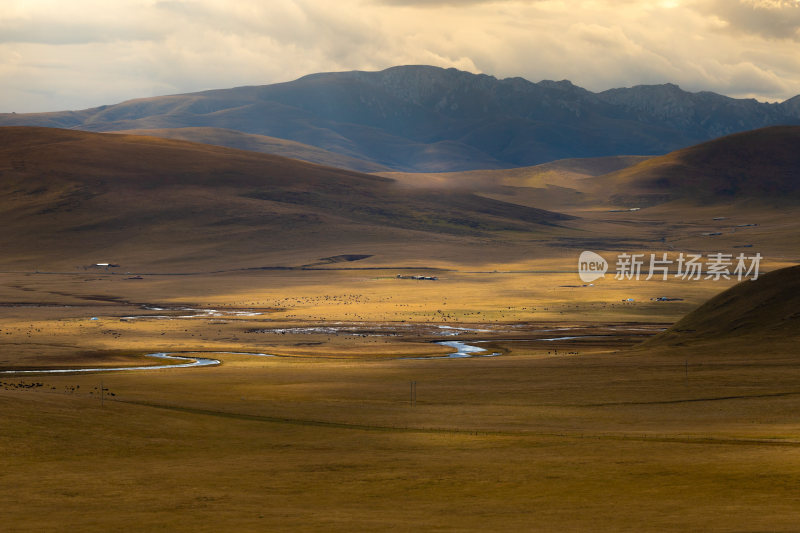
102	393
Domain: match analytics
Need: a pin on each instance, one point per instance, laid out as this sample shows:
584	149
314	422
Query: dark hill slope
763	164
264	144
750	317
69	196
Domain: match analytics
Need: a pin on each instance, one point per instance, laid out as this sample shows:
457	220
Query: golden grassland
51	314
578	435
596	433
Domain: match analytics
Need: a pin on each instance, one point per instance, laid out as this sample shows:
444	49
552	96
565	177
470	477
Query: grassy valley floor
573	434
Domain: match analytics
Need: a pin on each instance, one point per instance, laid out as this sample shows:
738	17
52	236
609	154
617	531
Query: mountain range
428	119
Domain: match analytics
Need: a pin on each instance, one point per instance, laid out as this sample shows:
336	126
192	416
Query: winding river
462	350
192	361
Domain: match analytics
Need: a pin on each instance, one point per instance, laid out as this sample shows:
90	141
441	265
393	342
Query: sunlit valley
405	298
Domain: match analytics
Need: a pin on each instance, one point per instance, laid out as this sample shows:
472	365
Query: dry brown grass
598	443
571	435
325	439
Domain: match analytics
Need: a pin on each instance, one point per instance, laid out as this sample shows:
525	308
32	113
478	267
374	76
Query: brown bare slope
763	163
752	316
70	197
557	185
264	144
560	173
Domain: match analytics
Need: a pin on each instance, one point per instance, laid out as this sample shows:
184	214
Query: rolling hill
759	164
264	144
564	173
755	166
752	316
69	198
428	119
557	185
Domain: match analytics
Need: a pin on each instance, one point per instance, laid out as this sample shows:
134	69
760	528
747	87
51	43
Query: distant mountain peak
562	84
425	118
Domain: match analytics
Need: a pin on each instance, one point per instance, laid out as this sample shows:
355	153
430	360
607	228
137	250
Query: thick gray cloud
82	53
777	19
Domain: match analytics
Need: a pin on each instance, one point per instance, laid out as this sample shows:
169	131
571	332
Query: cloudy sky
58	55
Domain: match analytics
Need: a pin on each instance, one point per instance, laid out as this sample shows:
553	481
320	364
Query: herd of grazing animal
23	385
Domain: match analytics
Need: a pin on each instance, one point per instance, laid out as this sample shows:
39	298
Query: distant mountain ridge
422	118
